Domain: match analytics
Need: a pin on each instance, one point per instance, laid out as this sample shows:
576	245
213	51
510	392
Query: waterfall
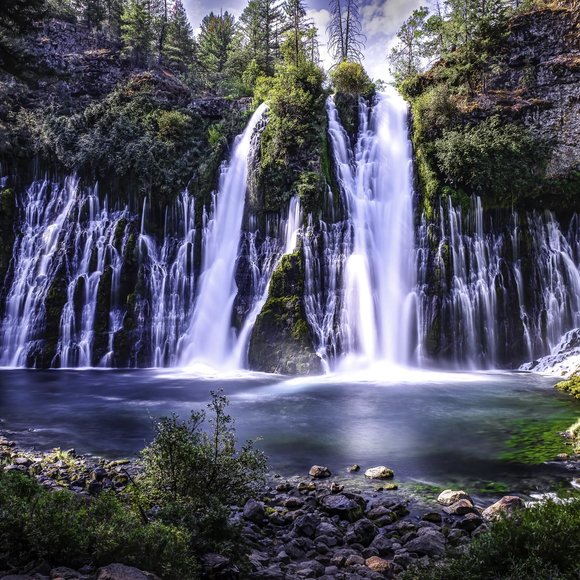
210	335
92	237
493	295
171	281
36	260
374	308
271	256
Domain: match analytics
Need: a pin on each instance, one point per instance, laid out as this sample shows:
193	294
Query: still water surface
438	428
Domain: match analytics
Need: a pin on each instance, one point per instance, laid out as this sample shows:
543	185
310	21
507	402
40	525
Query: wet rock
306	486
428	543
319	471
294	503
254	511
449	496
506	505
353	468
217	566
306	525
361	532
383	545
341	505
379	472
336	487
434	517
284	486
469	522
64	573
98	474
459	508
354	560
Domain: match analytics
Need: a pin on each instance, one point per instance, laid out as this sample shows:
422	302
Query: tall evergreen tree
346	39
214	44
179	45
137	30
295	12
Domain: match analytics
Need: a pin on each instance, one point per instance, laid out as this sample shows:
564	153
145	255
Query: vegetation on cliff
483	111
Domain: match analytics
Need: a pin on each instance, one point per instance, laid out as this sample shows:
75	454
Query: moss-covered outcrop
281	341
8	214
570	386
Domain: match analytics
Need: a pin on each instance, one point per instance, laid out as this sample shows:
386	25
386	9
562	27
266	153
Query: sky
381	19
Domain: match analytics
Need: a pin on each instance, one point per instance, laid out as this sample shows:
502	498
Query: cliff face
540	83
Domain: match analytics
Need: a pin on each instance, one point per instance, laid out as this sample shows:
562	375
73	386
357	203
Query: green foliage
179	45
137	30
65	529
292	140
352	79
131	136
540	542
194	476
498	160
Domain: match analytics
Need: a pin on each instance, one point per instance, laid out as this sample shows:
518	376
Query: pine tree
295	12
179	45
346	40
214	47
137	30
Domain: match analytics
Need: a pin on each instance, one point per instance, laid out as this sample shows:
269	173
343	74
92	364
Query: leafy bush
65	529
352	79
195	476
494	159
542	542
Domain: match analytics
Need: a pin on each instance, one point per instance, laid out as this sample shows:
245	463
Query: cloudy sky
380	18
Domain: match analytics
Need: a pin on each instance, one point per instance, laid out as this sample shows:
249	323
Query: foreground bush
194	476
65	529
542	542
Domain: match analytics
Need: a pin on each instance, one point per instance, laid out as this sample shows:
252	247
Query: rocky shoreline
311	526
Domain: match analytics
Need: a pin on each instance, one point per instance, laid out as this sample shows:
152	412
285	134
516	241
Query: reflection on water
435	427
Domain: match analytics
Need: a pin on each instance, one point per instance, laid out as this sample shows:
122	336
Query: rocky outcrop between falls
563	362
281	341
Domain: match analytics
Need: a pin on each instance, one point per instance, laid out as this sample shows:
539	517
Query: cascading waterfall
171	280
271	255
210	336
375	307
36	260
93	250
490	296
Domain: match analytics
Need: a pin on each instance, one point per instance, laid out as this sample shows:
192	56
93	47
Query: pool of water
436	428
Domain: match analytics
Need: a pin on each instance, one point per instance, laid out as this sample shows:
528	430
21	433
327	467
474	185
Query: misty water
436	428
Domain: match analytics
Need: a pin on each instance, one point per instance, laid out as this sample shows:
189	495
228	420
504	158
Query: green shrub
542	542
195	476
65	529
352	79
497	160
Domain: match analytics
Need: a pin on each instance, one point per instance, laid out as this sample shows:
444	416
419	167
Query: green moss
570	386
536	441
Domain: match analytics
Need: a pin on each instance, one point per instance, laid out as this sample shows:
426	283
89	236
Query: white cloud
321	19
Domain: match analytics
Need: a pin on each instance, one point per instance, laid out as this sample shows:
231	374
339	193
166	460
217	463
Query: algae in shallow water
535	441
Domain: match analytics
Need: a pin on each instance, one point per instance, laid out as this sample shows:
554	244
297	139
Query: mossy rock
570	386
281	341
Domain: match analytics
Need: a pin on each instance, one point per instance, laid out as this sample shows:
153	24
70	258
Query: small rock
459	508
305	486
284	486
353	468
379	565
319	471
354	560
434	517
469	522
98	474
380	472
506	505
306	525
429	543
342	506
24	461
65	573
293	503
336	487
254	511
449	496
